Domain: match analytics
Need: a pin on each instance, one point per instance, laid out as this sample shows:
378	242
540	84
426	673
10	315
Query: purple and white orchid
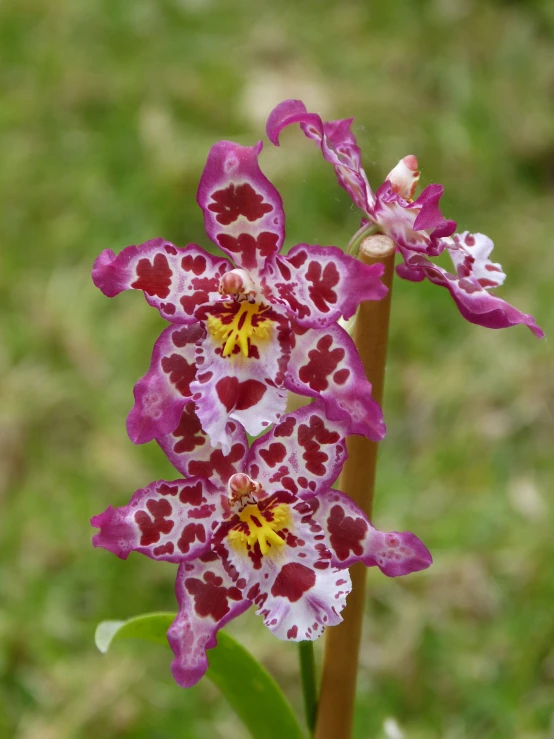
243	334
417	227
258	526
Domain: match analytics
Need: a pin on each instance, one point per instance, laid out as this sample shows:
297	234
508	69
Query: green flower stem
309	685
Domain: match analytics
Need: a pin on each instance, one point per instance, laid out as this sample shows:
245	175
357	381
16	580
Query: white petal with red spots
475	303
243	212
351	538
471	256
248	389
172	521
174	280
325	363
208	599
321	284
303	454
297	592
190	451
162	393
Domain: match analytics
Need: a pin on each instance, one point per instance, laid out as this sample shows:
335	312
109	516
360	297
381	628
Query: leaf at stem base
249	688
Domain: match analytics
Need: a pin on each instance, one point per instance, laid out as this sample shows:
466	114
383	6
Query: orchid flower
258	526
243	334
417	227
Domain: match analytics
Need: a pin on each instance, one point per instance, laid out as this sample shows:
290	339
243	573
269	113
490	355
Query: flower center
237	284
241	489
237	324
259	526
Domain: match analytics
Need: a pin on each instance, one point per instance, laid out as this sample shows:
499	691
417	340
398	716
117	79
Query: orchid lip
261	527
239	325
254	525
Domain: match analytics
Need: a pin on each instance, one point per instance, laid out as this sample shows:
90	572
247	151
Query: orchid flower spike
244	334
259	526
417	227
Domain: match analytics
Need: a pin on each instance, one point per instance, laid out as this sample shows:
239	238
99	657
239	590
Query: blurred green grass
108	110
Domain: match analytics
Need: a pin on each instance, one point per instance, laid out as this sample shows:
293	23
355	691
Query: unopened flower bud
404	177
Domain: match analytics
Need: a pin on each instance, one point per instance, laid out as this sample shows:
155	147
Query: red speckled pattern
299	582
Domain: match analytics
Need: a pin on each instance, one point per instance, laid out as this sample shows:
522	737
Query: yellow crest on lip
239	323
257	526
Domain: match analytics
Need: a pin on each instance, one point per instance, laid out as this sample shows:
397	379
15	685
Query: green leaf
249	688
148	627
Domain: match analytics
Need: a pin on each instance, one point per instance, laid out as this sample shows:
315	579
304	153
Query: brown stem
342	643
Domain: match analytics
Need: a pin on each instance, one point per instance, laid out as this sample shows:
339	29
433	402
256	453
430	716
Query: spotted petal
336	141
321	284
296	590
471	256
351	538
248	389
325	363
243	212
190	450
303	454
208	599
162	393
171	521
174	280
475	303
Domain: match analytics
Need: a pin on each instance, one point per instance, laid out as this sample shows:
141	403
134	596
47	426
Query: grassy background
108	110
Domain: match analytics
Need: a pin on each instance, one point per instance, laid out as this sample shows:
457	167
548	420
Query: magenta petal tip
281	116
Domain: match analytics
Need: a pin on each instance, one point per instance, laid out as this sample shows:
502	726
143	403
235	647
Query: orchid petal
325	363
336	141
430	218
321	284
163	391
474	302
208	600
296	590
190	450
412	274
303	454
248	389
243	212
171	521
352	538
174	280
470	254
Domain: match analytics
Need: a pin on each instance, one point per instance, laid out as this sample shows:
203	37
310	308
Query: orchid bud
404	177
